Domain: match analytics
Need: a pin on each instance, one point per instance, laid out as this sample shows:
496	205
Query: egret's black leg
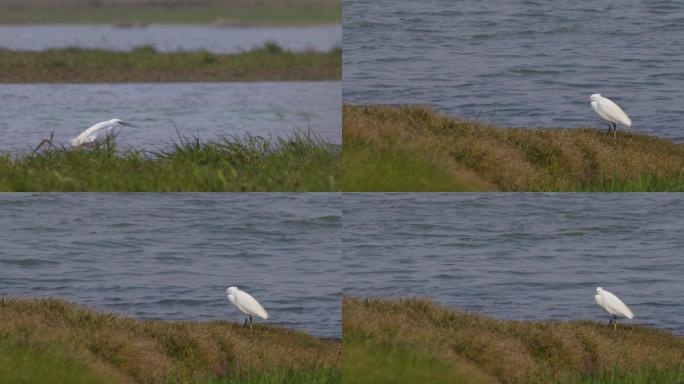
245	323
250	322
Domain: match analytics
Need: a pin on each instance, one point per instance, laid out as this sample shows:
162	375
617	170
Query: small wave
28	263
314	221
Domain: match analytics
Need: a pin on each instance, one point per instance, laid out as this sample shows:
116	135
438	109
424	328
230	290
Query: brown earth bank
70	342
384	146
417	338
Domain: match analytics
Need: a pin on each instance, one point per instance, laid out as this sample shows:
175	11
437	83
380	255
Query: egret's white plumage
609	111
246	304
100	132
612	305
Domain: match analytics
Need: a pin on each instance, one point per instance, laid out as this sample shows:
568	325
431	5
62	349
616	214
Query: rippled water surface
520	63
30	112
171	256
520	256
169	37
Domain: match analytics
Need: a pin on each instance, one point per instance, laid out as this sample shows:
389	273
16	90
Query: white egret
246	304
100	132
612	305
609	111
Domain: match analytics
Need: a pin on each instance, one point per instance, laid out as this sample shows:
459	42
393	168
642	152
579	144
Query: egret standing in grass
246	304
612	305
609	111
100	133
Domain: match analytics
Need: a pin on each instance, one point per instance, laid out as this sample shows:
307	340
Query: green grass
369	362
637	377
370	170
74	65
22	362
263	13
299	163
416	340
415	148
321	376
53	341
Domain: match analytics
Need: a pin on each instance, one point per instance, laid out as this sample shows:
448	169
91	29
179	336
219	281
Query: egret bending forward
609	111
612	305
100	133
246	304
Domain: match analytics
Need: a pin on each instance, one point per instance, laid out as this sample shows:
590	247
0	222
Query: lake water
168	38
520	63
520	256
31	111
172	256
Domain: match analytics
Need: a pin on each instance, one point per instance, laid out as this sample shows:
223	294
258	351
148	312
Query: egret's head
595	97
121	122
599	290
231	290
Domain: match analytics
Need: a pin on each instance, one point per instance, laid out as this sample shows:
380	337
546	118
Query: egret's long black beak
127	124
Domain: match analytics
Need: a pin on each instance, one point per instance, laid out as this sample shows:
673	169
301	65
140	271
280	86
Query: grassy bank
411	341
53	341
298	163
238	13
418	149
74	65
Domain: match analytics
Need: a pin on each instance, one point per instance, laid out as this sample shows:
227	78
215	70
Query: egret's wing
249	304
616	305
89	135
83	138
611	111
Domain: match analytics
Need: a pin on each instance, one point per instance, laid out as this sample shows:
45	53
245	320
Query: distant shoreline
273	13
146	65
415	148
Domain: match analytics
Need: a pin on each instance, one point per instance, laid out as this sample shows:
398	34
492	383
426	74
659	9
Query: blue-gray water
30	112
169	37
520	63
520	256
172	256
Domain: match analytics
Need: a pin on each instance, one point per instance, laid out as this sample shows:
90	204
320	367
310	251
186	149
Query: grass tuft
53	341
416	340
415	148
302	162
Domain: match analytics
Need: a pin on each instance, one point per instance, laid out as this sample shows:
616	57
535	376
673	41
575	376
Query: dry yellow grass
487	350
485	157
128	350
